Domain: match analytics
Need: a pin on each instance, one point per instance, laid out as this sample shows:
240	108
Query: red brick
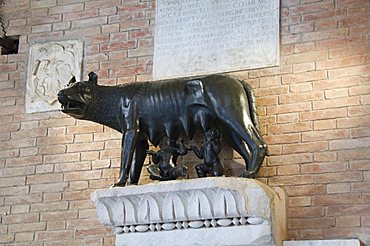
53	235
49	207
117	64
22	134
76	195
140	52
342	210
83	175
61	26
93	232
46	36
336	83
89	22
22	199
52	187
290	20
310	8
102	4
303	67
10	153
133	24
324	167
301	97
58	215
290	159
362	121
80	15
311	223
359	90
326	24
324	114
303	77
21	218
270	72
127	71
361	187
336	93
342	177
8	67
341	62
56	225
336	199
44	178
52	197
108	11
83	223
12	182
305	147
78	185
288	170
44	19
299	201
349	143
350	71
291	180
323	15
360	165
324	135
89	31
306	212
354	154
62	158
89	155
23	236
24	161
283	138
290	128
87	213
301	28
325	157
85	147
23	227
338	188
306	57
66	8
75	166
127	17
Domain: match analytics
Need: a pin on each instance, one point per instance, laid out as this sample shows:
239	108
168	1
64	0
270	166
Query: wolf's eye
82	87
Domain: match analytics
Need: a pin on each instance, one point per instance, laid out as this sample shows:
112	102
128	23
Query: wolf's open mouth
69	104
72	105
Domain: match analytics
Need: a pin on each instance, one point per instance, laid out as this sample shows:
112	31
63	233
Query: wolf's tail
252	104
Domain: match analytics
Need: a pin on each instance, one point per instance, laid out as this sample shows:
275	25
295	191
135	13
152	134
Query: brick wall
314	110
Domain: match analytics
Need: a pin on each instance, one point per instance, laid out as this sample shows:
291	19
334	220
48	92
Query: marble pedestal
207	211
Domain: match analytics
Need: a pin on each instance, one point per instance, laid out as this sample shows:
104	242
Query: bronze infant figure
173	108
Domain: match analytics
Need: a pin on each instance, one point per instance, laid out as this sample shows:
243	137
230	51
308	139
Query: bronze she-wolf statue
172	108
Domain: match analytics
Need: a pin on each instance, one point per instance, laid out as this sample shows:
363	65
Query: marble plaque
51	65
196	37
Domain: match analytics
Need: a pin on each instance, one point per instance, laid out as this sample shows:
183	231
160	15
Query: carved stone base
206	211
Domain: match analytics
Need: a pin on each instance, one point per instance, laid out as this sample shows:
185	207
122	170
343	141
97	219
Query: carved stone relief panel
51	65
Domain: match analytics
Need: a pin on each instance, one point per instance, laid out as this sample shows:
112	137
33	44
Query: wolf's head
76	97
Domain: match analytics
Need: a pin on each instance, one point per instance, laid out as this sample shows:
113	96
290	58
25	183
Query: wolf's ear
72	80
93	77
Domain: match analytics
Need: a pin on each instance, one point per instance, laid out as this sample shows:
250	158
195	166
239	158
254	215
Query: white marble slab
195	37
205	211
334	242
51	65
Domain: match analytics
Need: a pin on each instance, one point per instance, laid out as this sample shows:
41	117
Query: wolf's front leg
127	152
138	159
